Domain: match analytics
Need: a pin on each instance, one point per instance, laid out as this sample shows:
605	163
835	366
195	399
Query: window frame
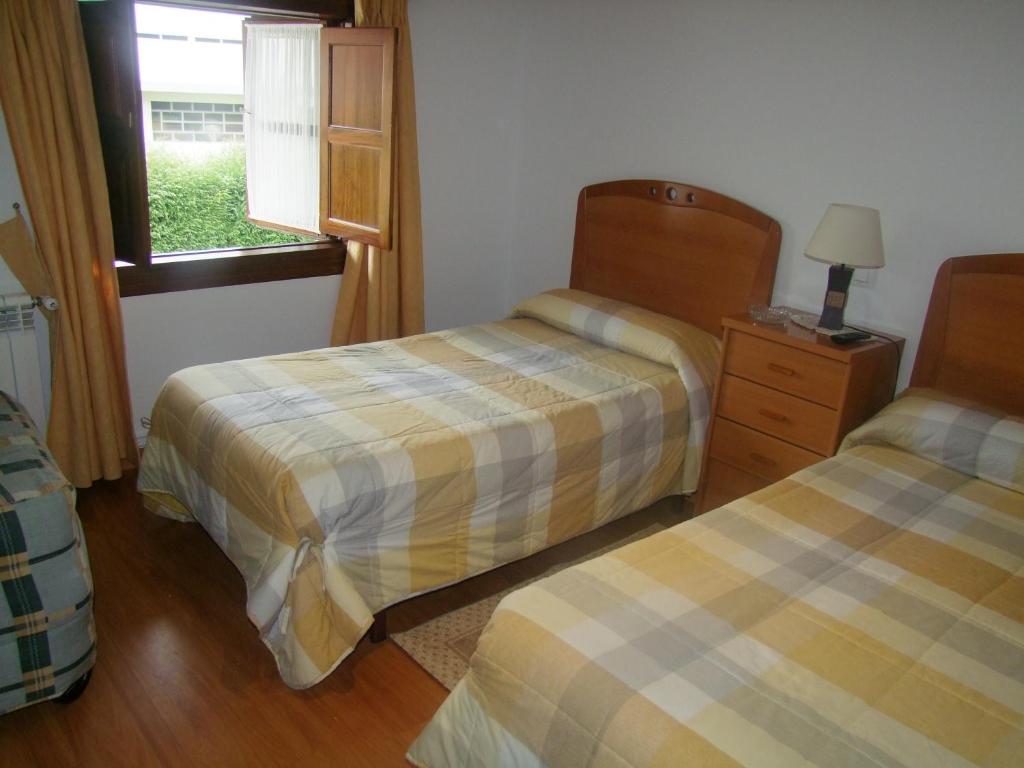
119	108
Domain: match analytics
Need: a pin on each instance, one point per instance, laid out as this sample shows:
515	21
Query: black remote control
849	337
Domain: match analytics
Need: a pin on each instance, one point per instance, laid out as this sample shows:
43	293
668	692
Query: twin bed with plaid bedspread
868	610
47	635
340	481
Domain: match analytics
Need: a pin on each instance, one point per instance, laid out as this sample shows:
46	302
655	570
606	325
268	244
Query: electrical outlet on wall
864	277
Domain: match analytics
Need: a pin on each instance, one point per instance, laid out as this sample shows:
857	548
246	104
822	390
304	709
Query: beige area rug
442	646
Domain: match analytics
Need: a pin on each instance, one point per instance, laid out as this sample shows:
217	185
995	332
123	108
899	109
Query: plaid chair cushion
47	636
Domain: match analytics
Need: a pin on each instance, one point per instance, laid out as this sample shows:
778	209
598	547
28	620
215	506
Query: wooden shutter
357	117
109	32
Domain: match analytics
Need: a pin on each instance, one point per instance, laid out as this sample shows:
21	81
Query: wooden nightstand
784	399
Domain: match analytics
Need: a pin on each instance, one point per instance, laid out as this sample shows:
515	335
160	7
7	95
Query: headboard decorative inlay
673	248
972	344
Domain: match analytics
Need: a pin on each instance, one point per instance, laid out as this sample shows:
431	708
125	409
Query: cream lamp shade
850	235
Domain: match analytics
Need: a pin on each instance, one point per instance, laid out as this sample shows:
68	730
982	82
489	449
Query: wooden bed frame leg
379	628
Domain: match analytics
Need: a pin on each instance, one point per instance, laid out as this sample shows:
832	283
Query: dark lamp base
839	276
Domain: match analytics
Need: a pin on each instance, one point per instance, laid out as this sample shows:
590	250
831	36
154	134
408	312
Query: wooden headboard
972	344
679	250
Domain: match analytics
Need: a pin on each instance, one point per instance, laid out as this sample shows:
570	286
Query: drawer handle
773	415
781	369
760	458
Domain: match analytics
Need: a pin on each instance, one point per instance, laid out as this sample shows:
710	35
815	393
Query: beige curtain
381	293
47	101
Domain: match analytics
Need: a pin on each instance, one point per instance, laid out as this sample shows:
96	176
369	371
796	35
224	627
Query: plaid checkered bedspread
340	481
47	636
868	610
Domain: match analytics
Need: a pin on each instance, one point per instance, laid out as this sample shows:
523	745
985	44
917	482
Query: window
351	197
191	85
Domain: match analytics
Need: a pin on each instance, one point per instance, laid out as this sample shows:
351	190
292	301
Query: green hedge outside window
199	204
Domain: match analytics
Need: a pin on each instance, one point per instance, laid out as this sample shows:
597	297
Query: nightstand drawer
801	373
776	413
725	483
757	453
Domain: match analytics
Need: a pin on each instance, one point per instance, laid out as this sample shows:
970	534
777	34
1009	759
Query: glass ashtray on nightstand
766	315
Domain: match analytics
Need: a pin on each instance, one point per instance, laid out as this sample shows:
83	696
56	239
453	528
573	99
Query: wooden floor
183	679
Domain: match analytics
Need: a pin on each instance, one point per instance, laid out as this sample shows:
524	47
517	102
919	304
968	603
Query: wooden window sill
215	269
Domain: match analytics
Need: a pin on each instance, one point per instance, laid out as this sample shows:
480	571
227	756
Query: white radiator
19	354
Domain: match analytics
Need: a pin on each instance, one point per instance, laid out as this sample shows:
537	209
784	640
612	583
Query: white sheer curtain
282	118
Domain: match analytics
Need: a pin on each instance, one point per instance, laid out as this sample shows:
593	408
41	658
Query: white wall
468	59
914	108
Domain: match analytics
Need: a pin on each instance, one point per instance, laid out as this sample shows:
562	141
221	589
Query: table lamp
847	236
